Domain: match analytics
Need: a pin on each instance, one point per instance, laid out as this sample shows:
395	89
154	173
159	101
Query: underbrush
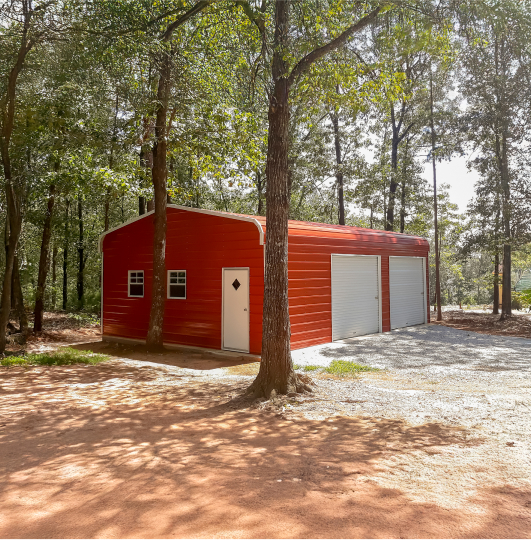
339	368
61	357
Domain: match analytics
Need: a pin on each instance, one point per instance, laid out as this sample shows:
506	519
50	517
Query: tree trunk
54	276
403	190
65	256
496	283
506	217
141	206
81	257
14	218
390	216
106	210
259	188
13	202
339	173
19	300
276	373
154	338
43	262
502	159
435	209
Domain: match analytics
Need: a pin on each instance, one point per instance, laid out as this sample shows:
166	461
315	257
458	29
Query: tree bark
259	188
390	214
19	301
276	368
339	173
435	209
502	159
43	262
403	188
81	257
397	138
54	276
13	202
276	373
65	256
141	206
154	338
496	284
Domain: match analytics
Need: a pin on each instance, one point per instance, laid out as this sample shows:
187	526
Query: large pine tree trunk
43	262
154	338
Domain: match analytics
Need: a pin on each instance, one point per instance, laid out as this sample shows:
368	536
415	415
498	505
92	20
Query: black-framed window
136	283
177	284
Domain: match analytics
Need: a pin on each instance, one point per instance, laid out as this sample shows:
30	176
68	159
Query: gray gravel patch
428	348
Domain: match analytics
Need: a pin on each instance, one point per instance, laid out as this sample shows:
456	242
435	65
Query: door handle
244	309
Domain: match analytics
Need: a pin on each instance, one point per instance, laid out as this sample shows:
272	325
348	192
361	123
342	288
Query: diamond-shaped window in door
236	284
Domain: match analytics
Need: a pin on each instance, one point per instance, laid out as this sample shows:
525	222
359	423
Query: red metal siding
200	244
203	244
309	268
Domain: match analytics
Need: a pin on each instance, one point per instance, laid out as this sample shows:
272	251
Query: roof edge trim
187	209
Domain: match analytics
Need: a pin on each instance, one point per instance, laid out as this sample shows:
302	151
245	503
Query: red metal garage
343	281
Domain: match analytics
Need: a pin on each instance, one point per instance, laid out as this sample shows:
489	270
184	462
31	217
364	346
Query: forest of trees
326	111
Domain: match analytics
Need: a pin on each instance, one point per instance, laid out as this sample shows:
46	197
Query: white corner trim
187	209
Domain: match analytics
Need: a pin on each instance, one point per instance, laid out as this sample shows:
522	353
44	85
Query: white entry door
236	309
406	288
355	296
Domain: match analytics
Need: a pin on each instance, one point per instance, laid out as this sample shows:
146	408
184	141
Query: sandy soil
519	325
162	446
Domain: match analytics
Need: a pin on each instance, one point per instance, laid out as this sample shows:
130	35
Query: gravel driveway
433	349
437	375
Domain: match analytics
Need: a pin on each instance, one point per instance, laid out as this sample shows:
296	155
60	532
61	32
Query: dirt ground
147	446
518	325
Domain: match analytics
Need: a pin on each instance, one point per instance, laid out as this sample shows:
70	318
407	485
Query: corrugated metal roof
338	231
301	228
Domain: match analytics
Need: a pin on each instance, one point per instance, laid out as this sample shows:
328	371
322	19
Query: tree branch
305	63
200	6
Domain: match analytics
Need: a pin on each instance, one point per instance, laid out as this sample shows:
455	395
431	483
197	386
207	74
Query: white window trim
129	295
168	286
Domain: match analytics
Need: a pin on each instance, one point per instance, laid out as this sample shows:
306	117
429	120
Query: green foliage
84	122
61	357
307	368
340	368
346	368
521	300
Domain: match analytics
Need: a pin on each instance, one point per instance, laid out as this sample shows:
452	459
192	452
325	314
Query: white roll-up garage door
355	296
406	287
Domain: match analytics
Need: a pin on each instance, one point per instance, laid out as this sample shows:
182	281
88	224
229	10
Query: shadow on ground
183	358
430	346
119	451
